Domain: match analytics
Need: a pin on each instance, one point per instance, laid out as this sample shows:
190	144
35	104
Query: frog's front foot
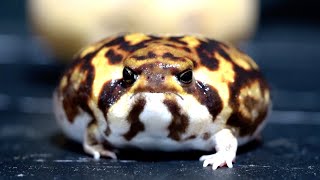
218	159
226	147
98	150
93	146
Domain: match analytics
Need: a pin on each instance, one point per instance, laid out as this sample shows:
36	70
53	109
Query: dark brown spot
177	39
170	45
73	99
219	47
206	136
135	125
110	94
132	48
113	57
116	41
126	46
179	121
186	49
85	88
70	108
208	96
191	137
155	38
170	56
107	132
139	57
207	59
206	51
243	79
250	102
150	55
246	127
195	64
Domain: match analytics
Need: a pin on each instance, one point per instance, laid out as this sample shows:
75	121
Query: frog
162	92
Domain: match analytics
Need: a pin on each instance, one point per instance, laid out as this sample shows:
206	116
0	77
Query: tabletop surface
33	147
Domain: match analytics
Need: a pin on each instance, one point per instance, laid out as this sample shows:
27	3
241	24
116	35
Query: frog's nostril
157	78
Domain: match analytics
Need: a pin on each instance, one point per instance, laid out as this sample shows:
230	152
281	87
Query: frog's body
164	93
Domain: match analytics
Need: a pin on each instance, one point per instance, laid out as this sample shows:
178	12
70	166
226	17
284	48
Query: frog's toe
218	159
99	150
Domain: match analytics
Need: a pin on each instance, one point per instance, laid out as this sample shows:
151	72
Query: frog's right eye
185	77
129	76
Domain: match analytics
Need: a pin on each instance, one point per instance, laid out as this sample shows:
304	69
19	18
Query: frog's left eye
129	76
185	77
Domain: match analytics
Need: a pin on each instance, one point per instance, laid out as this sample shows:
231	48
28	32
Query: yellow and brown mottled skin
226	81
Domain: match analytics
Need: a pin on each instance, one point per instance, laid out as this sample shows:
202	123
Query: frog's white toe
96	155
218	159
226	147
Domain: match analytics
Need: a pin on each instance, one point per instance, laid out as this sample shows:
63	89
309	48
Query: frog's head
158	70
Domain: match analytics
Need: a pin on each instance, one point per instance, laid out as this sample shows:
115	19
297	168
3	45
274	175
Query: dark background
286	46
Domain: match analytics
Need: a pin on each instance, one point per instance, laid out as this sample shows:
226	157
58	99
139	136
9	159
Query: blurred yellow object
69	25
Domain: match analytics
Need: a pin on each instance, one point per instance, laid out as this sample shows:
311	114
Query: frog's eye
185	77
129	76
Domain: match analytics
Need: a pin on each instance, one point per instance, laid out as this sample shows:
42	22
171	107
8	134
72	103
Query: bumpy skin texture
162	92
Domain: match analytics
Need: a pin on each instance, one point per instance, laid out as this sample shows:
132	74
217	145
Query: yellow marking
63	82
252	91
173	83
218	78
98	114
242	63
77	77
170	83
103	72
242	60
251	62
191	41
87	50
136	38
91	48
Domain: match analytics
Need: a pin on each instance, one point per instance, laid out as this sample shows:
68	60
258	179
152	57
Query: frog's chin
155	94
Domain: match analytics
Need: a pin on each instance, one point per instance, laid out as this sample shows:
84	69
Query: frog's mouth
165	93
